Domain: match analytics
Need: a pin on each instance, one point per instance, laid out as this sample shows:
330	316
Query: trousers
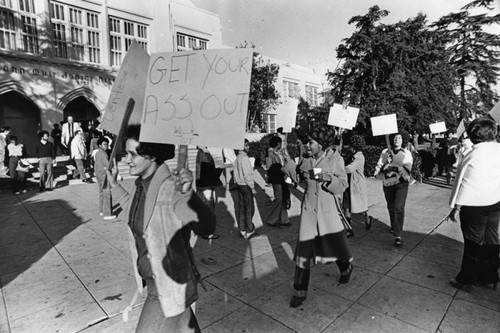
395	196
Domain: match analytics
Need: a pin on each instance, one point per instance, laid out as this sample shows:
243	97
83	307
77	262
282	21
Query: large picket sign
128	84
439	127
495	112
197	98
343	118
383	125
286	116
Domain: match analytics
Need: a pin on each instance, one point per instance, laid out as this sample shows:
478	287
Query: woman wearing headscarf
476	199
322	238
355	199
394	168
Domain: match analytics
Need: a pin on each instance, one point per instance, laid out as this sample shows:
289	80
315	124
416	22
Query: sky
307	32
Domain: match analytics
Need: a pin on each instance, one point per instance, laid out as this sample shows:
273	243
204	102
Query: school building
60	58
294	82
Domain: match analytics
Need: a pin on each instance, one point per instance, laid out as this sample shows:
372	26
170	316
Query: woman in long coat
355	197
322	237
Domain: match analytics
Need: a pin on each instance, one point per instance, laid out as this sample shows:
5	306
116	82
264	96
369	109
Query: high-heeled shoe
465	287
296	301
344	277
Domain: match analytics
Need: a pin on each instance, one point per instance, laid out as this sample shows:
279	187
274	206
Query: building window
6	3
291	89
7	31
27	6
312	95
18	26
74	37
270	121
120	42
193	43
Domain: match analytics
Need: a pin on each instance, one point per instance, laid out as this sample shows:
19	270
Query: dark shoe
346	275
398	241
368	222
391	230
465	287
297	301
48	189
250	235
273	225
287	224
41	190
349	233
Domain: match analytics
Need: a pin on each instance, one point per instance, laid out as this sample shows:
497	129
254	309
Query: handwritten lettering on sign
197	98
128	84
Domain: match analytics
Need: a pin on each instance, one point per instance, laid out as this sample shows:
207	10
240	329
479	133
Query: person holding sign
321	233
162	212
394	168
476	200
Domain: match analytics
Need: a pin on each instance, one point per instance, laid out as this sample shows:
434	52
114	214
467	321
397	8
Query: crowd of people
166	213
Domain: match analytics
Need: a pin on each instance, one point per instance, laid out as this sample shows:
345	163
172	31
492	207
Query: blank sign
383	125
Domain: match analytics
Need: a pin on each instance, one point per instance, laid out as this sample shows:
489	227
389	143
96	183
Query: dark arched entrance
23	116
82	111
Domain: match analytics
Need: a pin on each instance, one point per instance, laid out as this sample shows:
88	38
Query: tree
263	94
399	68
474	54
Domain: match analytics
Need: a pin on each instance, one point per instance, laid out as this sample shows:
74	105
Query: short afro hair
275	141
160	151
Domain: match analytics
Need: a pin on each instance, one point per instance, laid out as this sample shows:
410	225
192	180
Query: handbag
23	165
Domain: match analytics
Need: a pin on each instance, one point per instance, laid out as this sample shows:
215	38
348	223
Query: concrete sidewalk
64	269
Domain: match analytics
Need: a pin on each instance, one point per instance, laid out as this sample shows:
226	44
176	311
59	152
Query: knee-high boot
300	285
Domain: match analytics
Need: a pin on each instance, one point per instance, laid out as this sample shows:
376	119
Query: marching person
394	168
476	200
278	215
245	185
356	196
46	154
322	238
162	211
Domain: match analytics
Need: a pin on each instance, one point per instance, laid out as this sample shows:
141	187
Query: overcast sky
306	32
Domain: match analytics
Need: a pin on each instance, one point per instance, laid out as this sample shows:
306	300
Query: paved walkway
64	269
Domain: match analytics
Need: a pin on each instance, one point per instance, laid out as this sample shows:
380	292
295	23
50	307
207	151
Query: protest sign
495	112
438	127
286	116
383	125
343	118
197	98
129	83
460	129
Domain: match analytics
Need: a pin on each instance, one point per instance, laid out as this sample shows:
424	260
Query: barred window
57	11
75	16
94	47
29	34
312	95
60	45
92	20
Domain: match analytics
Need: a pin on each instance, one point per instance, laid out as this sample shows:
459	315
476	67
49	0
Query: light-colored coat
78	149
478	177
320	216
65	132
167	214
358	194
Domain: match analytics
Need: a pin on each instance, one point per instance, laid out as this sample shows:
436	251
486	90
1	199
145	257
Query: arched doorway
23	116
82	111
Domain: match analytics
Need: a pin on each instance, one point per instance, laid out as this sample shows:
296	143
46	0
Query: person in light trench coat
355	197
322	237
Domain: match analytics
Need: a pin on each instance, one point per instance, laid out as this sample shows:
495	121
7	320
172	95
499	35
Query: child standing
245	187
